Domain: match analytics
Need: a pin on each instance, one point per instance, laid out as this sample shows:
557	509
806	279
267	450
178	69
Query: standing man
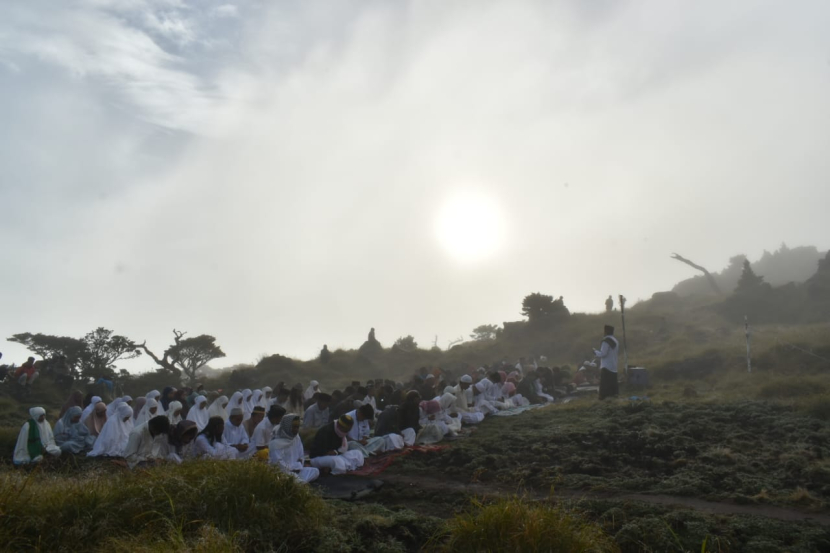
607	354
609	304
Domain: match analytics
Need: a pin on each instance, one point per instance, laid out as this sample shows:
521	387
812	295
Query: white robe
145	415
114	435
288	455
203	448
88	409
236	435
21	450
142	446
218	409
262	433
197	414
172	407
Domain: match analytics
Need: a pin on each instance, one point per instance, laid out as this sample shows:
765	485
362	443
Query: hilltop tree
541	308
103	349
406	343
485	332
92	356
749	281
51	347
187	355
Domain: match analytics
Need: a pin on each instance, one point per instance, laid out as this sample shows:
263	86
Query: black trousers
608	385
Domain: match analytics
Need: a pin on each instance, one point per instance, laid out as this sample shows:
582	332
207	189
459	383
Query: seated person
114	435
148	443
317	415
199	412
236	436
210	442
35	439
330	448
71	435
286	450
263	431
181	440
253	420
360	434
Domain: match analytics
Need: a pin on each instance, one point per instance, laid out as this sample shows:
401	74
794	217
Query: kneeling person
286	450
330	448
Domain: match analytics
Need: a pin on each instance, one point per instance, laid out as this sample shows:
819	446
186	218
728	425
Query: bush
250	504
793	387
817	406
516	525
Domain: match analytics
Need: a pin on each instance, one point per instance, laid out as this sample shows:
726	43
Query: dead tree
708	275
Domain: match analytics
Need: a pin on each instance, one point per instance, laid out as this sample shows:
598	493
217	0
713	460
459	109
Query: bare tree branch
709	276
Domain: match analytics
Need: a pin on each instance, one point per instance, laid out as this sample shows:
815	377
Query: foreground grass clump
219	505
516	525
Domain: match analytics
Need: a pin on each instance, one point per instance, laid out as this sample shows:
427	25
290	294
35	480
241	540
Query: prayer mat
379	463
516	410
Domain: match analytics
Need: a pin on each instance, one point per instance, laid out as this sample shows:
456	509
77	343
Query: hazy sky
287	174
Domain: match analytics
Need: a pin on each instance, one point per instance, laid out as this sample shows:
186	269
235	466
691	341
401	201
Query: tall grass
247	505
512	524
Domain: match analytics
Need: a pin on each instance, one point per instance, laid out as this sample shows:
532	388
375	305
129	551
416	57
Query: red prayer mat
378	463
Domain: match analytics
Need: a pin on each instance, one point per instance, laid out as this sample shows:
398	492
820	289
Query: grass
513	524
248	503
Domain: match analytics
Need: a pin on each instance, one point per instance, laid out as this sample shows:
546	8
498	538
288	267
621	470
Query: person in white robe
210	442
247	403
360	437
449	412
156	395
112	406
508	390
313	388
481	391
71	435
151	409
235	435
174	412
330	448
318	414
257	397
199	413
267	400
433	428
264	430
463	393
286	451
115	434
148	442
219	408
88	409
236	401
35	439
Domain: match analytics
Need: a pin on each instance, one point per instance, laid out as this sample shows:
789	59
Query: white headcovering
114	435
198	415
88	409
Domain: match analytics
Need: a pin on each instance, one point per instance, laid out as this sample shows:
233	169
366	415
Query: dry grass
517	525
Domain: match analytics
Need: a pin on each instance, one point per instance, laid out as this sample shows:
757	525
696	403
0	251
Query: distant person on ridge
325	354
607	354
26	373
609	304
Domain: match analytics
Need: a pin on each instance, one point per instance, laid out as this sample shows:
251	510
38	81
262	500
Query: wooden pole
748	345
625	341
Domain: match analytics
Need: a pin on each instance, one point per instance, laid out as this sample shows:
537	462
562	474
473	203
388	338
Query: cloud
271	173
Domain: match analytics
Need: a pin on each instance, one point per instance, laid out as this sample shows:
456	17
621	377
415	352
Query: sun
470	226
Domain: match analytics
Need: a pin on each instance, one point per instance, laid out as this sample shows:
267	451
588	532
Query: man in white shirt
263	431
317	416
236	436
607	354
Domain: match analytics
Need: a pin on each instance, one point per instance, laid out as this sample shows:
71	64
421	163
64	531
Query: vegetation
187	355
513	524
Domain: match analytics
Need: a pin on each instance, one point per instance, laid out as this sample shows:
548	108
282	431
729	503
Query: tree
702	269
406	343
92	356
103	349
485	332
749	281
51	347
187	355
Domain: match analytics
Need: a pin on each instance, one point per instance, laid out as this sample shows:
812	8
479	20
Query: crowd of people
341	428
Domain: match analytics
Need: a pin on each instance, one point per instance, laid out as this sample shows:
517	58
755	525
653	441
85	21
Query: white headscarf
88	409
156	395
258	397
197	414
145	414
247	403
236	402
219	408
112	406
172	407
447	401
310	391
113	438
46	435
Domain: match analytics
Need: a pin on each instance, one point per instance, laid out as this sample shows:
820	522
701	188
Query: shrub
788	388
517	525
255	505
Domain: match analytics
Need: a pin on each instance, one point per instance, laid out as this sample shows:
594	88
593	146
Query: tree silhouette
50	347
485	332
406	343
749	281
187	355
